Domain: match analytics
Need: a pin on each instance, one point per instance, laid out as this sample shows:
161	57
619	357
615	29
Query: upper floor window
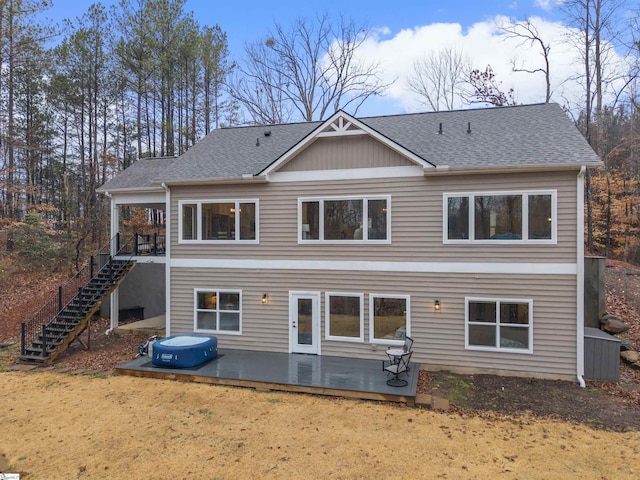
219	221
344	219
500	217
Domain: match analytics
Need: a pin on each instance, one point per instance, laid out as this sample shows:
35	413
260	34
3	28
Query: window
219	221
344	219
492	324
218	311
390	319
344	314
500	217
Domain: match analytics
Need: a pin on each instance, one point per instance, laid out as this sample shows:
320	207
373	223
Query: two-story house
461	229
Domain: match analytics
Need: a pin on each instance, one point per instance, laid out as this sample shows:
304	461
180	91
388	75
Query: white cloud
484	44
548	4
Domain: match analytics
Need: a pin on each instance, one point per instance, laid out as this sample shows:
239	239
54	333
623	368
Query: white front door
304	322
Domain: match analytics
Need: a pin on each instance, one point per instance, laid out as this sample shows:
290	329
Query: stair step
34	358
38	350
51	343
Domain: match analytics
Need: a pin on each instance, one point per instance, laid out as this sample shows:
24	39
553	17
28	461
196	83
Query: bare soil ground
513	427
100	426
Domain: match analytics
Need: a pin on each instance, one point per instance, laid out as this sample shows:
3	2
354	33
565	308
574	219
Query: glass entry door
304	322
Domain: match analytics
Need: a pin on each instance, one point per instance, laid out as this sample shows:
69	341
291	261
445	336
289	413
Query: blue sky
245	21
405	31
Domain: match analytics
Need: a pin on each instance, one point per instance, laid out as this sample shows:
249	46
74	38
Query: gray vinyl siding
358	151
439	336
416	220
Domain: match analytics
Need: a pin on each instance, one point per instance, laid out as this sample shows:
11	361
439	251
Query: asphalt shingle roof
521	136
140	175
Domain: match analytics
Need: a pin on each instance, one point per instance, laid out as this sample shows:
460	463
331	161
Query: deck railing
147	244
67	292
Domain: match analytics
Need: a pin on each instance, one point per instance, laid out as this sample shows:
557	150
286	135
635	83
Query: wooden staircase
63	320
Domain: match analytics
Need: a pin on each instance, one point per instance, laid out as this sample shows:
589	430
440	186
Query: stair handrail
30	329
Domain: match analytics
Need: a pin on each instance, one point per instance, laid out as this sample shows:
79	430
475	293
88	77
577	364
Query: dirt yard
96	426
76	419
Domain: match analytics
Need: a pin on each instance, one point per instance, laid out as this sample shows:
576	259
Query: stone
613	324
440	404
631	357
626	344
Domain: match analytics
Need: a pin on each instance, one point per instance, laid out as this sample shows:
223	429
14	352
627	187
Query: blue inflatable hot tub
184	351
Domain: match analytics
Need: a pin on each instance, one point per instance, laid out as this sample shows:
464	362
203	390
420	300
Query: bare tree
592	19
307	71
440	79
486	89
527	34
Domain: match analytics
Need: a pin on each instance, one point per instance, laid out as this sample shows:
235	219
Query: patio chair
408	343
396	366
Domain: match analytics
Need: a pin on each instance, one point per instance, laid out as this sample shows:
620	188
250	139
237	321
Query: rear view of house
463	230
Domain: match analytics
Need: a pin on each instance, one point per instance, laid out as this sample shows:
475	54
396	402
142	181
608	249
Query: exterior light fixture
265	298
436	305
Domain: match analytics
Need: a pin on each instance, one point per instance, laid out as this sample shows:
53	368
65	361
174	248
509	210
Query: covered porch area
315	374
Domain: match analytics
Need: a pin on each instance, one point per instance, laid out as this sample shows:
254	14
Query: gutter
247	178
441	170
580	277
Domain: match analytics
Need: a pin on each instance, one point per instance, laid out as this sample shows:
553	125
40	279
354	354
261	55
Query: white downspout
167	264
580	278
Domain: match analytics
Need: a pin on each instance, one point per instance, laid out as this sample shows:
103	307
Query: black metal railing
145	244
97	264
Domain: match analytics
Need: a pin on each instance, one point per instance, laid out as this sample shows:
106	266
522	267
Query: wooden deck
319	375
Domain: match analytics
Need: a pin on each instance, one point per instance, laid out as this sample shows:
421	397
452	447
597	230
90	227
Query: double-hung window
218	311
345	219
516	217
390	318
499	324
209	221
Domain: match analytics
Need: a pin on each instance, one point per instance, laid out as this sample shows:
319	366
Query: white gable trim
340	124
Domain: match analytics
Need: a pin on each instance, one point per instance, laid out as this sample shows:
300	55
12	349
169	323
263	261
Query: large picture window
218	311
390	318
344	316
499	324
500	217
219	221
344	219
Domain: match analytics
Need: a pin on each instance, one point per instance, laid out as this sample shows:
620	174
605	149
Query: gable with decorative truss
344	142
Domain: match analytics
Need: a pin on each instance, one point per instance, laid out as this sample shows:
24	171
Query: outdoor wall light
436	305
265	298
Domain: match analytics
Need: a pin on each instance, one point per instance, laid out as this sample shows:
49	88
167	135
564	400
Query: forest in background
82	101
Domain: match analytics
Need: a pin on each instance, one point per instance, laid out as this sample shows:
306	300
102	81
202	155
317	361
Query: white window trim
327	315
365	215
525	217
384	341
497	301
217	291
198	203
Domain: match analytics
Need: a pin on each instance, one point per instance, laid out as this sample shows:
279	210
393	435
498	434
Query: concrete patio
320	375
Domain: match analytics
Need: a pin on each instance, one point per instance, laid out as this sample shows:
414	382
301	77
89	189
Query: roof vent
257	142
440	130
267	133
468	127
